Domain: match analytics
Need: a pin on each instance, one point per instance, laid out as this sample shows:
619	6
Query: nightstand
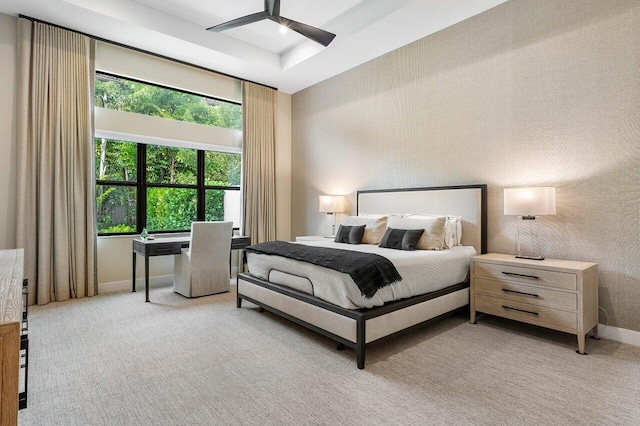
557	294
313	238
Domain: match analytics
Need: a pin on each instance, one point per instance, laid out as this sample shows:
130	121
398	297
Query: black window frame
142	185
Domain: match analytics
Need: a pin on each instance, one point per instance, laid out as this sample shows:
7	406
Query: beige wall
8	96
532	92
115	264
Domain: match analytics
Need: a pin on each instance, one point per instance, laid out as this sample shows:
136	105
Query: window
163	188
116	186
122	94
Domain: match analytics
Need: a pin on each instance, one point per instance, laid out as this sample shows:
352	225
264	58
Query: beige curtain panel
56	219
258	162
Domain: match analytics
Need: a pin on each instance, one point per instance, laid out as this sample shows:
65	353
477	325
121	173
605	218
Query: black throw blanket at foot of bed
369	271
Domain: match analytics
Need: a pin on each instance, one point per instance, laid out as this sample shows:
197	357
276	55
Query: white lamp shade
529	201
331	203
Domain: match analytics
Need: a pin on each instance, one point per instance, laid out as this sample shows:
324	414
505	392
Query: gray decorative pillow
350	234
375	226
433	236
401	239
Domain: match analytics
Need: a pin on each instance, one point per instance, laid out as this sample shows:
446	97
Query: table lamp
529	203
332	204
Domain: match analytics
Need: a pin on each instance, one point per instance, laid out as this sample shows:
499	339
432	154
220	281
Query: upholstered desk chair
203	268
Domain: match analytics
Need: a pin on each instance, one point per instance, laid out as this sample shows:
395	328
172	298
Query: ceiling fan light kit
272	12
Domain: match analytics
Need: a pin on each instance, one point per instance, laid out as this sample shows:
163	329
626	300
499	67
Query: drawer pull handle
506	290
512	274
520	310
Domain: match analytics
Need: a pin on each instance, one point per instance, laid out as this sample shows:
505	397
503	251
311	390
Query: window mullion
200	182
142	187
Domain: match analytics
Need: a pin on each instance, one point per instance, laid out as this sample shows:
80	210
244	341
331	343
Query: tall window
163	188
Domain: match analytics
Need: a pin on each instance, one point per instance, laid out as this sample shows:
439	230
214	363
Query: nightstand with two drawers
557	294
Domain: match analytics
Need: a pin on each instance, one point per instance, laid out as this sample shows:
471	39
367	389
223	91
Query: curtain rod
157	55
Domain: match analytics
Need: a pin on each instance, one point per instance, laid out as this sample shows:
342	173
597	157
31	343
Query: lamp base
530	257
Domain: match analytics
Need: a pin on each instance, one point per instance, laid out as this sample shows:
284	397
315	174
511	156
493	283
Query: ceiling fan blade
249	19
316	34
272	6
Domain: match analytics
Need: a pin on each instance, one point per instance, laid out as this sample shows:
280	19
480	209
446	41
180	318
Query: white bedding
422	271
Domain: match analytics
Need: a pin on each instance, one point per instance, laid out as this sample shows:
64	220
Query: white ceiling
264	34
259	52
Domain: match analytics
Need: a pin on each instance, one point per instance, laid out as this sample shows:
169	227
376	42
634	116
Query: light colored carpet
115	360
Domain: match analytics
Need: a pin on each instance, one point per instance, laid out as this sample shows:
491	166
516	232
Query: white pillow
434	229
458	222
453	228
372	215
375	225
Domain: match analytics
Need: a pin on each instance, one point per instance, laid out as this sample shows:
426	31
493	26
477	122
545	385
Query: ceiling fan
272	11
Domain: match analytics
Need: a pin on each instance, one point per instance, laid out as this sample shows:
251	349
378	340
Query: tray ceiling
259	52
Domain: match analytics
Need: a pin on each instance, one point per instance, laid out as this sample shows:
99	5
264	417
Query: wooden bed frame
357	328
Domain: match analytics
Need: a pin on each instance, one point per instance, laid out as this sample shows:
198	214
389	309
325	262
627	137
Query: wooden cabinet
13	337
9	372
557	294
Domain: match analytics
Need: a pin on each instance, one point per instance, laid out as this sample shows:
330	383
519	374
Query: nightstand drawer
525	312
539	296
519	274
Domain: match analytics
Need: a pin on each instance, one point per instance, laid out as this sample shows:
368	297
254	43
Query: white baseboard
153	282
621	335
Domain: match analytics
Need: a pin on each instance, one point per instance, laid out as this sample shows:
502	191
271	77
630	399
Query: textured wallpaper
530	93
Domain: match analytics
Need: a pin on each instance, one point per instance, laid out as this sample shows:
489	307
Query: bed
293	293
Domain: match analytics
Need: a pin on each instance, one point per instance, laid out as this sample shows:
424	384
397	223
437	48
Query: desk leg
133	275
146	278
